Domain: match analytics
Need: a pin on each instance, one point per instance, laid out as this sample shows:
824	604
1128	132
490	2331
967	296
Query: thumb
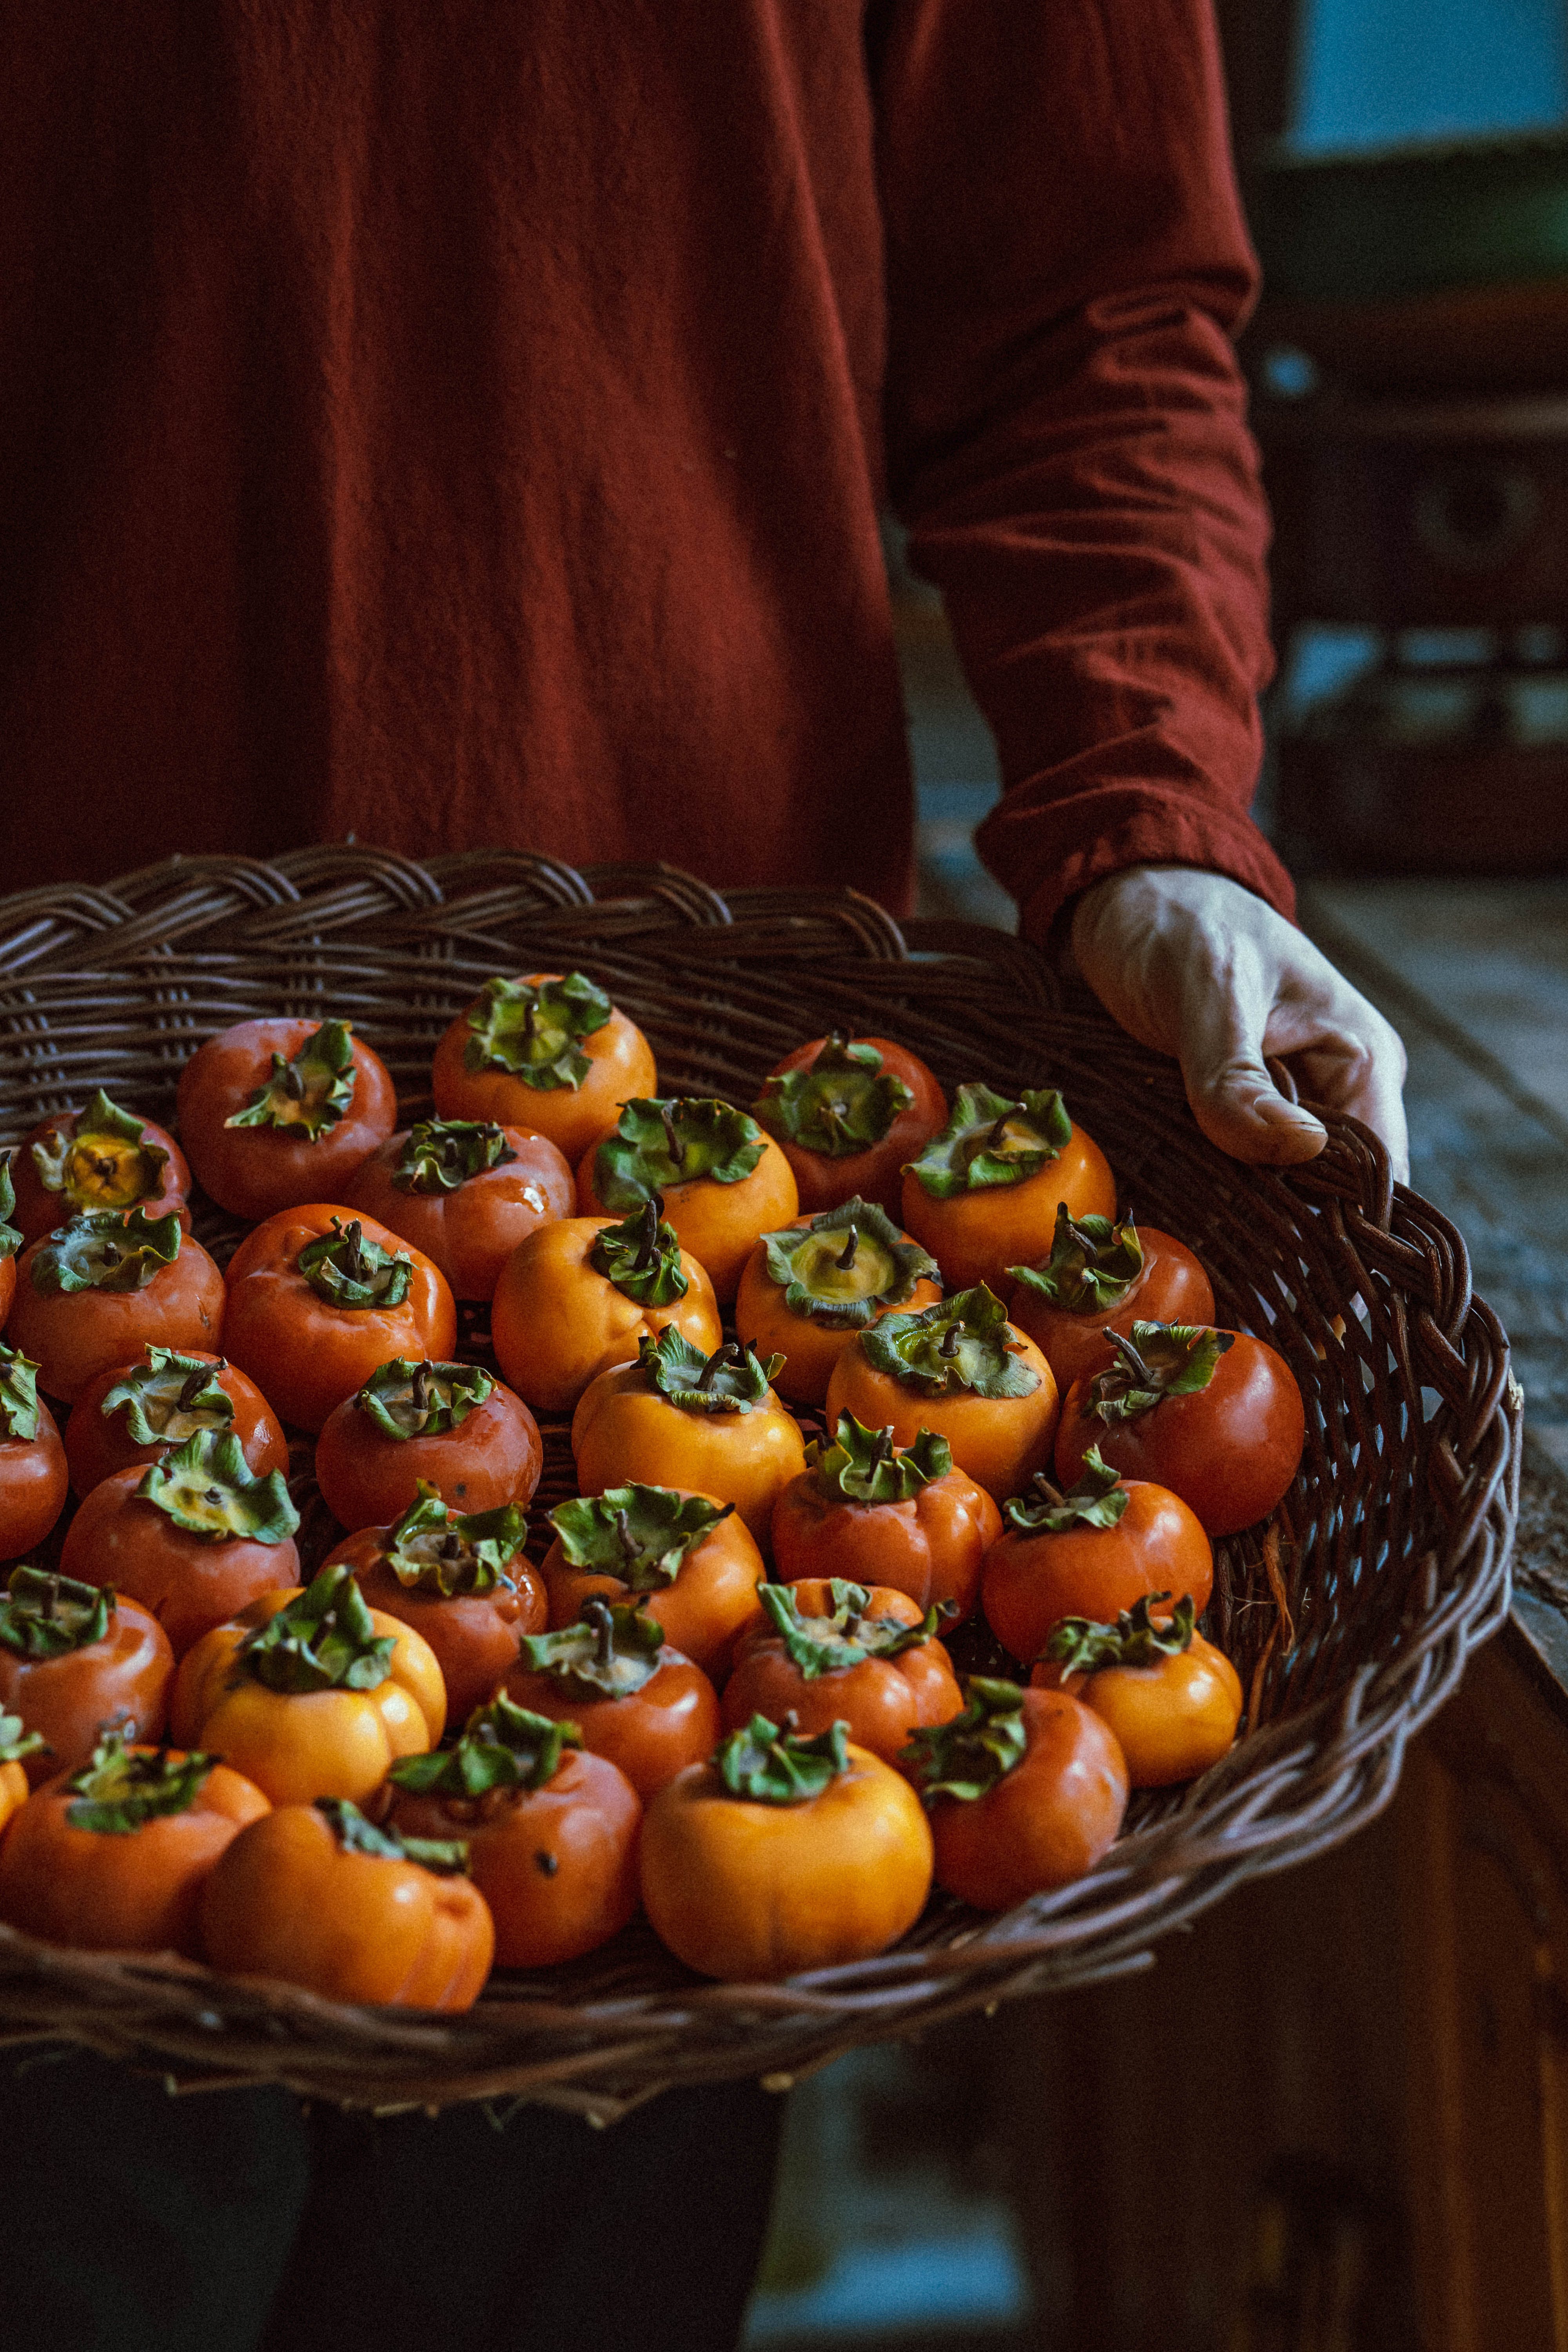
1234	1099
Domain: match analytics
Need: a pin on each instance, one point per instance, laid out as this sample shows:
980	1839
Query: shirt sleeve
1067	439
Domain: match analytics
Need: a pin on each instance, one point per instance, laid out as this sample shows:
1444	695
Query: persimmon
634	1698
32	1472
96	1291
192	1536
466	1192
1102	1274
551	1830
416	1424
805	1292
784	1853
317	1298
136	1413
960	1369
722	1179
76	1660
821	1652
315	1895
847	1113
1090	1552
76	1163
312	1693
1216	1416
674	1418
460	1581
687	1560
17	1748
1171	1698
546	1052
984	1193
1027	1789
113	1856
10	1236
275	1113
875	1513
579	1295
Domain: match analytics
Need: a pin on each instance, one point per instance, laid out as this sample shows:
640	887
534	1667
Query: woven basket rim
134	960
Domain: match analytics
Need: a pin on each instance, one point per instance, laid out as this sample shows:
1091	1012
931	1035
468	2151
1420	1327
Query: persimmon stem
998	1132
293	1083
846	1259
1051	1495
1129	1356
197	1382
647	1239
596	1614
715	1364
672	1142
882	1448
948	1345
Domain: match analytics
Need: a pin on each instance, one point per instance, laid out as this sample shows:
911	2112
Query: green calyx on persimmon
958	1344
965	1758
118	1789
107	1251
639	1534
1080	1645
170	1398
825	1645
1157	1360
864	1466
47	1616
442	1153
993	1140
842	1103
309	1091
449	1857
207	1488
731	1380
428	1551
530	1029
106	1161
18	1395
770	1764
16	1745
611	1651
660	1140
1094	1262
324	1639
10	1236
407	1397
641	1256
847	1267
347	1271
503	1746
1097	1499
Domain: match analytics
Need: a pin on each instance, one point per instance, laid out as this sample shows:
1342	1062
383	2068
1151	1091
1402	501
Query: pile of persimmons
724	1692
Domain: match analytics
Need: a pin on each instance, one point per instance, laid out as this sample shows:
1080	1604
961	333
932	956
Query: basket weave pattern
1349	1617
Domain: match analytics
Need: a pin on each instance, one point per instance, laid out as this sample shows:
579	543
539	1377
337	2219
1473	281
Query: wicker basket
1350	1616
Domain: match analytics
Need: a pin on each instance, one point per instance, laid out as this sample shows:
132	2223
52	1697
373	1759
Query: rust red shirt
459	423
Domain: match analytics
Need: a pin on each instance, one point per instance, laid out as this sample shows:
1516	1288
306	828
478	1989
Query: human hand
1199	967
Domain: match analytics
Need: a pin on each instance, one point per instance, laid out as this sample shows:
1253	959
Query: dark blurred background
1215	2159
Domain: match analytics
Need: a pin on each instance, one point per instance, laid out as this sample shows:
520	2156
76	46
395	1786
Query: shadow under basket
1349	1614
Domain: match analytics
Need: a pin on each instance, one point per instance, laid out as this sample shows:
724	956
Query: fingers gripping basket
1350	1616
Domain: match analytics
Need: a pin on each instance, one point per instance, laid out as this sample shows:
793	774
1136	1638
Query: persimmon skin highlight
255	1171
752	1892
1031	1581
976	1236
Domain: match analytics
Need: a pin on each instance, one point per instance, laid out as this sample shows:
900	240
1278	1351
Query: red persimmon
635	1699
847	1113
136	1413
1101	1275
416	1425
32	1477
876	1513
95	1292
76	1660
274	1113
101	1158
466	1192
822	1653
1215	1416
1092	1552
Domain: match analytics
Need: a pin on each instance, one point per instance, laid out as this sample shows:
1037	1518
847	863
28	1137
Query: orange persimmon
579	1295
960	1369
1090	1552
686	1560
983	1194
96	1291
547	1051
825	1652
805	1292
722	1179
634	1698
1103	1274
